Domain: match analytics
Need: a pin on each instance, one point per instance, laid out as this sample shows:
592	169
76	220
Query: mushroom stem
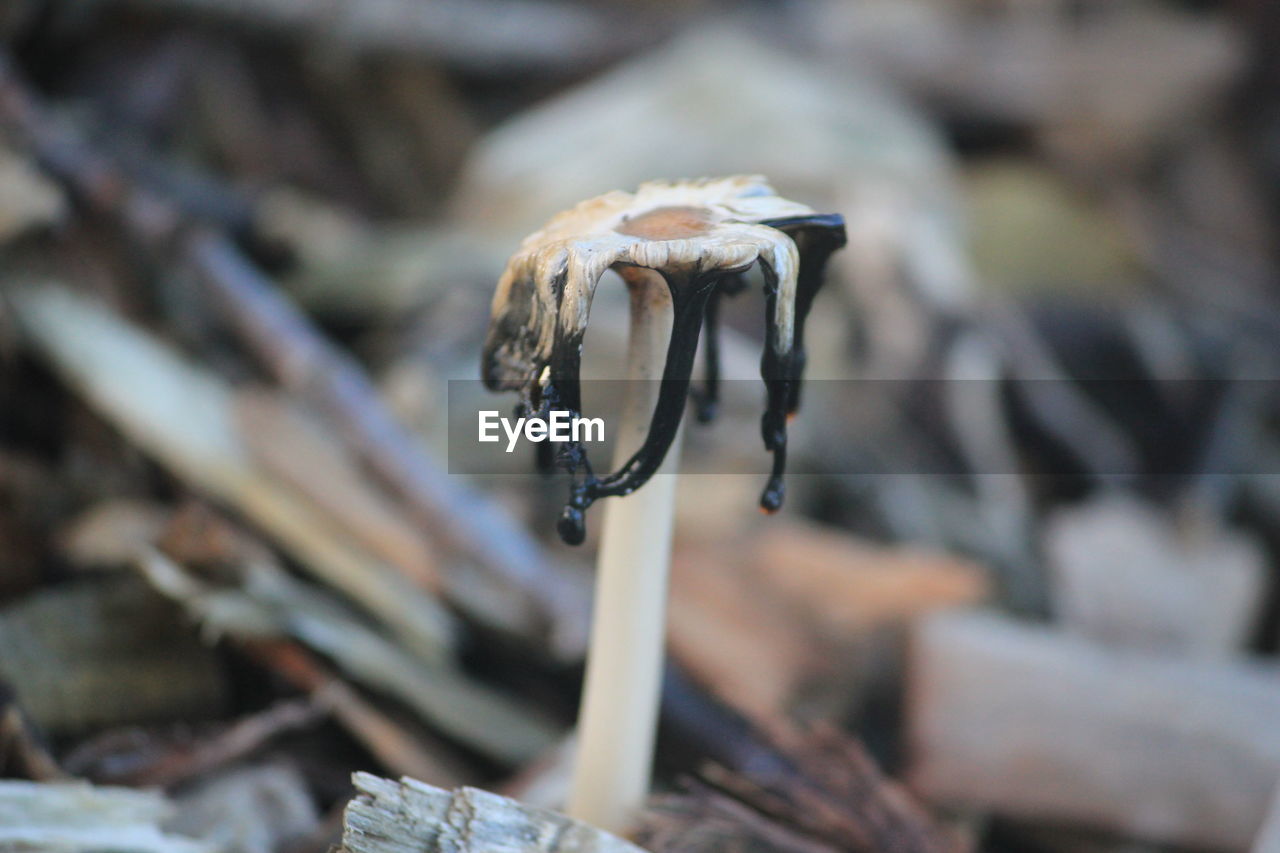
618	716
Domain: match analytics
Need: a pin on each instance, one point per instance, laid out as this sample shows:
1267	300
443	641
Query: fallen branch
411	817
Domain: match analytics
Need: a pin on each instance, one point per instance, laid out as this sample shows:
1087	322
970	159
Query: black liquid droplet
774	493
571	526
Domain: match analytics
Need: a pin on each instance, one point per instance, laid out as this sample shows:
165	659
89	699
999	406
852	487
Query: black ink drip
690	293
816	237
706	400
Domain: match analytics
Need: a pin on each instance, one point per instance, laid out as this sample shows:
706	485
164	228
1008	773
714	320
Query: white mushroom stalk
618	718
679	247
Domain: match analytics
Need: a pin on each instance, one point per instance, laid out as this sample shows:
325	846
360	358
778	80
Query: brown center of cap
667	223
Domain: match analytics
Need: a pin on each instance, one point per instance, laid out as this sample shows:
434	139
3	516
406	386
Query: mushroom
679	246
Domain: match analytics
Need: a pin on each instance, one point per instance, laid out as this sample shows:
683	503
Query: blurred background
1023	595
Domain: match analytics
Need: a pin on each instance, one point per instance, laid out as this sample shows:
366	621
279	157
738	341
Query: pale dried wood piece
1030	723
1125	575
761	616
851	585
412	817
68	817
270	603
185	417
301	452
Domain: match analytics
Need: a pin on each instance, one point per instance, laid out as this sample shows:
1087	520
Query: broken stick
412	817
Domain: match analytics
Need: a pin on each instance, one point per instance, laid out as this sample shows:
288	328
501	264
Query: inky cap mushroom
700	236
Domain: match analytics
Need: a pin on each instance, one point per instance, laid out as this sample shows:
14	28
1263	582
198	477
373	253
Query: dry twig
410	817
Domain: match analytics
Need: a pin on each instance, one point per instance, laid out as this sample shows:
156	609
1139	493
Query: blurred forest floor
1023	595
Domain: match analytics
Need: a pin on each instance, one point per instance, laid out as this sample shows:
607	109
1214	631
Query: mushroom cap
543	298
